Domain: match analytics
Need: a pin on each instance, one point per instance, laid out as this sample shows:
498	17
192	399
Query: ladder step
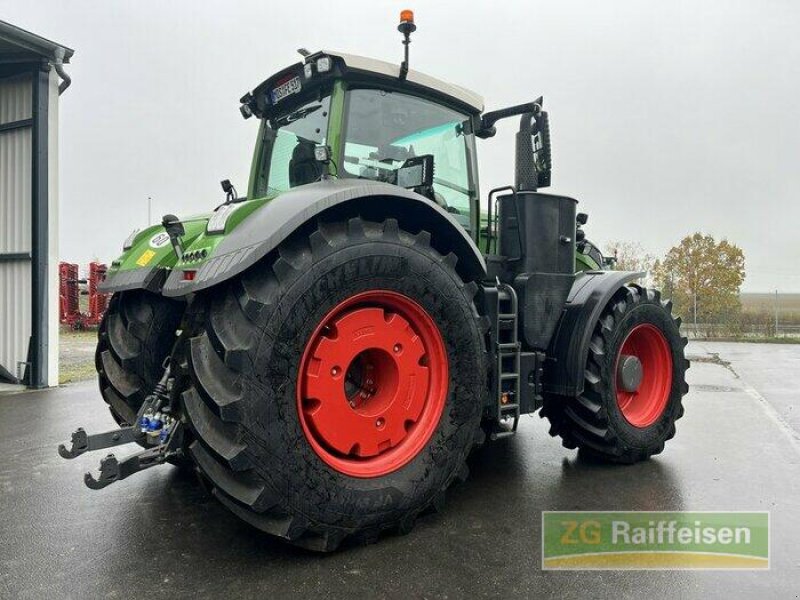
508	346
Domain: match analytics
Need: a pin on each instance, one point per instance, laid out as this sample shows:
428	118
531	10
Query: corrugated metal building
31	79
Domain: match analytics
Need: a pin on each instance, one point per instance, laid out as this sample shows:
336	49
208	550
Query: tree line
703	277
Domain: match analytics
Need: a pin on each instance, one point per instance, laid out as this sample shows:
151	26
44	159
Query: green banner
655	540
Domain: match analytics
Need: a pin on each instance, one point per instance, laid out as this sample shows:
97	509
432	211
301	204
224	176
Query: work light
324	64
322	154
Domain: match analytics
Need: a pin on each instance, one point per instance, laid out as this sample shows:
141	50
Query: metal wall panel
15	189
15	222
15	98
15	313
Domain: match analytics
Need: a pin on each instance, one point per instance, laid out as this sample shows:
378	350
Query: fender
276	220
569	347
147	262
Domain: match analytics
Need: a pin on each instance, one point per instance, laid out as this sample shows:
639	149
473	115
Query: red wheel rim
372	383
644	406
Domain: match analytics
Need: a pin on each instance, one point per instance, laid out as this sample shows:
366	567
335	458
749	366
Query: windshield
385	128
287	155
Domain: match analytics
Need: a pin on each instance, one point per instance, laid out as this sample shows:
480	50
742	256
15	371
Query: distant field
787	303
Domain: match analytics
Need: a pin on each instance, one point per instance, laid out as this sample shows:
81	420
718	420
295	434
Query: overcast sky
667	117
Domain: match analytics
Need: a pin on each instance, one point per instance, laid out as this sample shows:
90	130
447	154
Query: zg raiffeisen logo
655	540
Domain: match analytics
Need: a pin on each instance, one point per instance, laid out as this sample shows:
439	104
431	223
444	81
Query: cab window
383	129
287	158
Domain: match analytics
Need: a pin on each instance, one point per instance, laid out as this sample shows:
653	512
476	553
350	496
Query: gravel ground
76	355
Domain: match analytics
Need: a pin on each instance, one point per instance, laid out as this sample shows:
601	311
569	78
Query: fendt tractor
327	350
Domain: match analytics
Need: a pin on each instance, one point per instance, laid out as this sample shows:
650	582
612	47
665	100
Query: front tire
635	379
337	387
135	336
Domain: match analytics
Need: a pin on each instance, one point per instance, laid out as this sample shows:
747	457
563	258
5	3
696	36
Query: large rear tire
337	388
135	336
635	379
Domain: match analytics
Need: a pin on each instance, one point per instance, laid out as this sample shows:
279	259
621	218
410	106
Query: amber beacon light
406	27
407	16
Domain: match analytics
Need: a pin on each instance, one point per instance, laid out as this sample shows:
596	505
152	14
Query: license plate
286	89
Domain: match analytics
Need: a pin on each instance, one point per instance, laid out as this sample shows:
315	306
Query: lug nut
379	422
397	348
335	371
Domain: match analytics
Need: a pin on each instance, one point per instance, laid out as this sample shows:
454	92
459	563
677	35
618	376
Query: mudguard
569	347
276	220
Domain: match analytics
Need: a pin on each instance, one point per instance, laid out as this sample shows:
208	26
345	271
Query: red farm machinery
69	291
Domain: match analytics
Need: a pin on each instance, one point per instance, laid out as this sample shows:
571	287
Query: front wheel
634	382
135	336
337	389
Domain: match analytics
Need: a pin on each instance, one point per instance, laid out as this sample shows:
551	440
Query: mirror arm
487	129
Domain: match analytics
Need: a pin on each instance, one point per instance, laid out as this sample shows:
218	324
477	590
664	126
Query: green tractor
327	350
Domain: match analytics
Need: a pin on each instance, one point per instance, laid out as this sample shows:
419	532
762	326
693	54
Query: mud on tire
244	358
135	336
594	422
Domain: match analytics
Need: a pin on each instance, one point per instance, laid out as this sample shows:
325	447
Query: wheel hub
629	372
372	383
643	375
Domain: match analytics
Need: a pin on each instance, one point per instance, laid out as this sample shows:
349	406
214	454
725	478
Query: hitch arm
112	470
82	442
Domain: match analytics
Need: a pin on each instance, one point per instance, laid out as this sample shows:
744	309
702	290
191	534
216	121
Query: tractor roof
381	67
357	70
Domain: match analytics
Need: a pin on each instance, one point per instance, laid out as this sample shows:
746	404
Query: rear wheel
337	391
634	382
135	336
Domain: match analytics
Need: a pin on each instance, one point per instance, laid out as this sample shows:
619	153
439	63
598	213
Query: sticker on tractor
159	240
286	89
145	258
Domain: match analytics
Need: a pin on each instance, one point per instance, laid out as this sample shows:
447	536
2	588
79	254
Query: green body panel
251	184
149	251
584	262
336	120
144	254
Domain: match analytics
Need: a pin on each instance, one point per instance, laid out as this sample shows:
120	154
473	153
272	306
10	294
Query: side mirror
541	149
533	165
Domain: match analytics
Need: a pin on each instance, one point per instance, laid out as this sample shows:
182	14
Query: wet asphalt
157	535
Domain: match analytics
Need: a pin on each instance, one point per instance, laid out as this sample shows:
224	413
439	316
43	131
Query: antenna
406	27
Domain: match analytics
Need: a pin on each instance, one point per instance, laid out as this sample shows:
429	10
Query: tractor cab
353	117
